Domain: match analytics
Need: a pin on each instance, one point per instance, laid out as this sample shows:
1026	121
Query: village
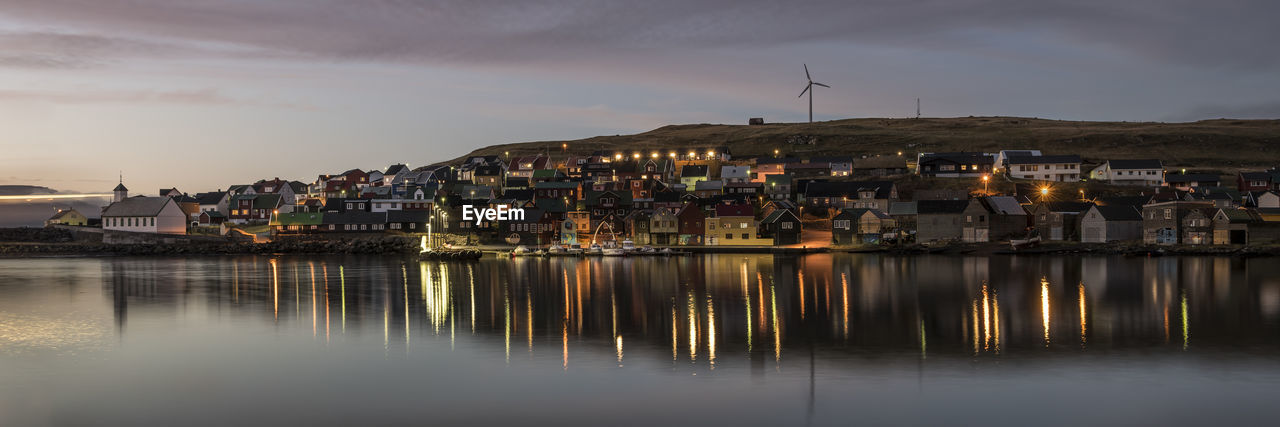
707	197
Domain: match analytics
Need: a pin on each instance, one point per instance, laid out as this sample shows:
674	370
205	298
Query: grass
1223	146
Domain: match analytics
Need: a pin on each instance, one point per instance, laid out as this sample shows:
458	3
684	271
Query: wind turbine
809	88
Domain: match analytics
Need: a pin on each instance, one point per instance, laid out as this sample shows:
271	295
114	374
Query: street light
985	178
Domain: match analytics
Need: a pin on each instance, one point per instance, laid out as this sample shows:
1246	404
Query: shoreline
403	247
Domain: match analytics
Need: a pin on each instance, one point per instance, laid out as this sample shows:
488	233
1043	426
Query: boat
647	250
628	246
521	250
1032	240
611	248
555	249
666	252
574	251
594	249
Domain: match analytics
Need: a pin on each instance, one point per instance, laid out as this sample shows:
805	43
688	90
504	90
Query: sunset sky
205	94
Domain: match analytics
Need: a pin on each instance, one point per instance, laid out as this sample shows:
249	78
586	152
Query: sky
201	95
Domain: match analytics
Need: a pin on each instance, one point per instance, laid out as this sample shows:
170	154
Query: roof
63	212
902	208
556	184
120	187
734	210
964	158
1005	205
395	169
883	189
927	207
1075	207
734	171
355	217
1040	160
859	212
831	159
298	218
408	216
1119	213
778	214
1239	215
1123	200
547	173
793	166
266	201
1256	176
1136	164
693	170
881	162
778	178
709	185
137	206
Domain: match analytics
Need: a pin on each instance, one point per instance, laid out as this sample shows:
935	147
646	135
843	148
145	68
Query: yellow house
67	217
734	225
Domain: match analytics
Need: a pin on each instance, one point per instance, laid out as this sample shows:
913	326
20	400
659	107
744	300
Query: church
160	215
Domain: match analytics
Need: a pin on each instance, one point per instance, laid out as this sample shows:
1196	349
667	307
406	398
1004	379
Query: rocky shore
384	246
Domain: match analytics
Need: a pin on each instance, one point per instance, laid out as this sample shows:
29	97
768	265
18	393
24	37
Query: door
1239	237
1166	236
1093	234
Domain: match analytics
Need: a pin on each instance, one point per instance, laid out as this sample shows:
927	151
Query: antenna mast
917	108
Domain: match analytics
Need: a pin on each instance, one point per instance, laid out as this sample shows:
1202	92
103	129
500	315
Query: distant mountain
1223	144
32	213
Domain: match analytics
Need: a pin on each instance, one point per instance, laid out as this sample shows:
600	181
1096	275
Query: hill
1224	145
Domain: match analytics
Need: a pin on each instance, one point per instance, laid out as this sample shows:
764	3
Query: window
745	236
728	236
348	206
413	225
1168	213
787	225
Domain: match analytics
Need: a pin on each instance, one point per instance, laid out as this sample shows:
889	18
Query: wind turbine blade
806	72
820	84
806	89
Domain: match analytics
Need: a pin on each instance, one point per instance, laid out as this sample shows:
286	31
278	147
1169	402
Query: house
905	216
733	224
954	165
1002	158
707	189
748	189
376	178
1197	227
1262	199
395	174
860	225
808	170
159	215
783	226
735	174
778	187
1140	172
1231	226
296	223
1254	181
67	217
690	175
217	201
939	219
1162	222
838	165
1058	168
208	218
491	175
663	227
1187	181
1058	220
692	225
1111	223
879	166
354	221
525	166
253	207
527	230
771	166
990	219
637	223
855	194
557	190
409	221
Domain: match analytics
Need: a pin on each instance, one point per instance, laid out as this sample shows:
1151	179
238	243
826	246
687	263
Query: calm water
714	340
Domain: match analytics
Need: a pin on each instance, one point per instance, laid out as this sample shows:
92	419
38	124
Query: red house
691	221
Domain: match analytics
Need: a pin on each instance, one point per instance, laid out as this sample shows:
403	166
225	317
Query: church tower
121	192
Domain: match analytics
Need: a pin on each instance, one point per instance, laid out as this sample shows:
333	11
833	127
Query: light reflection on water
826	339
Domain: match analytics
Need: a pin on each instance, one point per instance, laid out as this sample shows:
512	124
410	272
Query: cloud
98	96
545	31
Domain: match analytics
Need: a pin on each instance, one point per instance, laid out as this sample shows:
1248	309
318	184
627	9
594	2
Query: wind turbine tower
809	88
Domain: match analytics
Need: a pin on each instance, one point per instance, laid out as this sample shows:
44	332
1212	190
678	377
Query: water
714	340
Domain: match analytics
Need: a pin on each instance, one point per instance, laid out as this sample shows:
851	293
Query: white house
145	215
1002	158
1143	172
735	174
1063	168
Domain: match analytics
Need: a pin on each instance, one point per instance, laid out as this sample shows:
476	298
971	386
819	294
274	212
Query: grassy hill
1224	145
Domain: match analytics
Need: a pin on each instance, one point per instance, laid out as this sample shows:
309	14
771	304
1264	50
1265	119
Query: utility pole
917	108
